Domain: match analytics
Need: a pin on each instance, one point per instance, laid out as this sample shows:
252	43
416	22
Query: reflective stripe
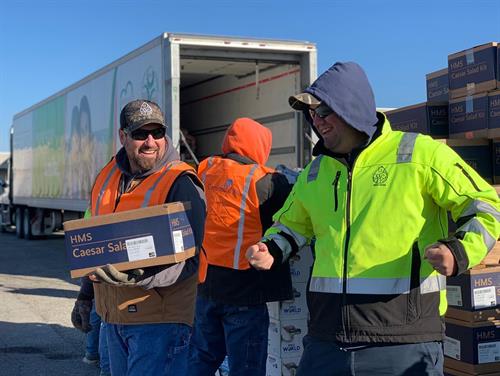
477	206
377	286
209	164
282	243
406	145
241	224
313	171
433	283
148	194
104	186
476	227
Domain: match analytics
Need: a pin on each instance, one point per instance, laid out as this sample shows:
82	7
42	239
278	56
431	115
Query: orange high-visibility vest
154	305
152	190
233	219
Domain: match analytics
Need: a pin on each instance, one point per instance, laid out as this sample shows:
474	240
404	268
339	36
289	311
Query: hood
124	165
249	139
344	87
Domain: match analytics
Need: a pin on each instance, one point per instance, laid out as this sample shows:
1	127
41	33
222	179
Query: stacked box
288	320
494	114
476	289
455	372
437	86
430	119
472	347
468	117
496	160
281	367
473	71
477	153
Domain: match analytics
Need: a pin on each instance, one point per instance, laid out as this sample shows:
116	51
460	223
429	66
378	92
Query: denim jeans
103	351
326	358
92	337
148	349
238	331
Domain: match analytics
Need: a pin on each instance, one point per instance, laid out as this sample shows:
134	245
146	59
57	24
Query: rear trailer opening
216	91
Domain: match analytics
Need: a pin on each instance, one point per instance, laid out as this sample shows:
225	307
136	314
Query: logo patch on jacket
132	308
380	177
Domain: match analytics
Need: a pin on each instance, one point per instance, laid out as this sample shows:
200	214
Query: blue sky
46	46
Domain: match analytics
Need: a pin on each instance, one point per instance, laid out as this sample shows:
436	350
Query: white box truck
202	84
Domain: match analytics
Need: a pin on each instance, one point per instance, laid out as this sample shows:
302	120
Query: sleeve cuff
458	251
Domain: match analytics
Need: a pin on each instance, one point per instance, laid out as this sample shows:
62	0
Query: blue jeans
103	351
148	349
238	331
326	358
92	337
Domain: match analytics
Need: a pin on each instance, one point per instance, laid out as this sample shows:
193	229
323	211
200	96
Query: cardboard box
473	316
295	308
494	114
468	117
138	238
475	289
477	154
431	119
455	372
285	337
473	71
275	366
476	345
300	265
495	148
437	86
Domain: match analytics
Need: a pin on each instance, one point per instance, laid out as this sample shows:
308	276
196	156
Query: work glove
108	274
80	316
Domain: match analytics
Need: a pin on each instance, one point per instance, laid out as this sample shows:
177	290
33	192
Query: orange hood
248	138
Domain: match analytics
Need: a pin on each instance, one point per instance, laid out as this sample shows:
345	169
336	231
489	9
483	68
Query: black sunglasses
322	111
143	134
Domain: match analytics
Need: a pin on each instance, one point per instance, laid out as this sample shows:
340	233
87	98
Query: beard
143	163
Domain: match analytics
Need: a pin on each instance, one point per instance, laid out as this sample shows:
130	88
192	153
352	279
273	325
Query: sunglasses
322	111
143	134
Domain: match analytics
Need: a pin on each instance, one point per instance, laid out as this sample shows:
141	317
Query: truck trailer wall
61	145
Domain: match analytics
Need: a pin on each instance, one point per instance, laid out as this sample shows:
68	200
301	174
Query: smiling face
338	136
143	154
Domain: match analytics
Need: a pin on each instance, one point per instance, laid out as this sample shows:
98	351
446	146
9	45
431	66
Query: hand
441	259
259	257
108	274
80	316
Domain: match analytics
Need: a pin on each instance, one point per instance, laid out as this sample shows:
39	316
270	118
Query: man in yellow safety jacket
376	202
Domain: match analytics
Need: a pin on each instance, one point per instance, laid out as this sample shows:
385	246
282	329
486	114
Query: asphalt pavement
36	298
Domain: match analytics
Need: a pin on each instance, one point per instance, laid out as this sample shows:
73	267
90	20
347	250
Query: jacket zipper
346	249
467	175
335	188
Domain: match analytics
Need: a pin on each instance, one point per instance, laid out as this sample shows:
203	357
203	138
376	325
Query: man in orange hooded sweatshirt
231	312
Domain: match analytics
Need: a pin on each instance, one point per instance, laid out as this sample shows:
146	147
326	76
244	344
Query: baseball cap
140	112
303	101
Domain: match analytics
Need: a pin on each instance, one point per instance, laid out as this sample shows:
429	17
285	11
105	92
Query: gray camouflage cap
140	112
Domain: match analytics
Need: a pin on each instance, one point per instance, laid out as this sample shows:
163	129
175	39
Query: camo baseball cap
140	112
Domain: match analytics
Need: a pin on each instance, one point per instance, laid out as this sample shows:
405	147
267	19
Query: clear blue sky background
48	45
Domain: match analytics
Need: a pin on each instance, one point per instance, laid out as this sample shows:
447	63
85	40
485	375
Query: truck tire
19	223
28	233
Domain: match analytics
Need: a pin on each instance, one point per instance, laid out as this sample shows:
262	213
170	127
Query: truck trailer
202	83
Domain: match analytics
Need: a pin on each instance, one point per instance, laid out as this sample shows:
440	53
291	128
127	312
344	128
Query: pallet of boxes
288	320
463	110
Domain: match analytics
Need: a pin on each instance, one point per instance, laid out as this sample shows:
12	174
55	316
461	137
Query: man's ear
122	135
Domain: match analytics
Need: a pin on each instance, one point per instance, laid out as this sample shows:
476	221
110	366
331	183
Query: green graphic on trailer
48	148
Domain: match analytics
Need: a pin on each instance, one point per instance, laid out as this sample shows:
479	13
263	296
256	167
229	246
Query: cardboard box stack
469	89
472	342
288	320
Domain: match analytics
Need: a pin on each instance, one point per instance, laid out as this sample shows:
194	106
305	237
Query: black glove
108	274
80	316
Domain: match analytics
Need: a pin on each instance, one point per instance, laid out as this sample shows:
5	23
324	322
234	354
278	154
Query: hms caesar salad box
138	238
